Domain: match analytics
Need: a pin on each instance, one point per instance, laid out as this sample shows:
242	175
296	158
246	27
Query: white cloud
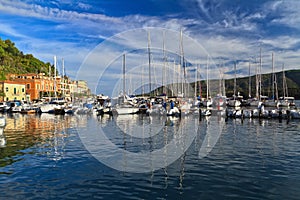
212	38
282	42
9	30
35	10
289	12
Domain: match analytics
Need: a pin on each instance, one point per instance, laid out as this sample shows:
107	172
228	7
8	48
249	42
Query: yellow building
12	91
81	87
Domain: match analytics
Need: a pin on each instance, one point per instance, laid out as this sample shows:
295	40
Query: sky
211	35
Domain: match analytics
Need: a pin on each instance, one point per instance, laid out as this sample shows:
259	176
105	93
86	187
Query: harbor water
59	157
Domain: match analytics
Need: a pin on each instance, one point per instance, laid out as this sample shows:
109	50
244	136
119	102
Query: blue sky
226	30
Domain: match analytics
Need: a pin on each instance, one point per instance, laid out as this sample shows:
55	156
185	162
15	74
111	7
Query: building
81	87
10	90
37	85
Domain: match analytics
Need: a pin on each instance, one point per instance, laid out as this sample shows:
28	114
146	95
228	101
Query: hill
12	60
292	80
242	85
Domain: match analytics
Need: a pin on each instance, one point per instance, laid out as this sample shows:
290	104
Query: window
28	86
23	90
6	89
15	90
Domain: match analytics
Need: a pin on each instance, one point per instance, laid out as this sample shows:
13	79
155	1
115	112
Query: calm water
46	157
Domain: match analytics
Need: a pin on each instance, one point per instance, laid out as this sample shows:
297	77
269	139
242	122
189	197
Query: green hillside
292	79
12	60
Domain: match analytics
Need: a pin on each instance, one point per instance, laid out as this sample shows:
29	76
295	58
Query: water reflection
42	134
138	143
251	158
213	130
2	138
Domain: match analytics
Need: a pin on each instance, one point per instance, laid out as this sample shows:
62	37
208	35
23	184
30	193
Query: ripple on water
45	159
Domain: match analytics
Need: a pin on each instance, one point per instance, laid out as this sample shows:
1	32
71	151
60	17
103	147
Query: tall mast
220	80
260	67
164	66
175	86
196	76
55	94
249	95
234	86
149	62
207	79
273	78
63	77
142	80
182	63
124	81
284	85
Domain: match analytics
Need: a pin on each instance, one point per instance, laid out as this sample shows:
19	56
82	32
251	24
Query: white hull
50	108
255	103
126	110
295	114
271	104
207	103
234	103
173	112
46	108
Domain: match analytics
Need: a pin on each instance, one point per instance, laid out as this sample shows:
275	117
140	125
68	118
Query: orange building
37	85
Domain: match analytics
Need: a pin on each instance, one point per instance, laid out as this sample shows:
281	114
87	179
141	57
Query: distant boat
55	106
103	105
125	108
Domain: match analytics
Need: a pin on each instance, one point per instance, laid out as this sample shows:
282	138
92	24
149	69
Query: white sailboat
234	102
273	102
208	101
126	107
56	105
285	100
256	102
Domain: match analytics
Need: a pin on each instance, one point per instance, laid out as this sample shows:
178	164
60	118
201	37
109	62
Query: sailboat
285	100
208	101
155	104
127	106
273	102
56	105
257	101
235	102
